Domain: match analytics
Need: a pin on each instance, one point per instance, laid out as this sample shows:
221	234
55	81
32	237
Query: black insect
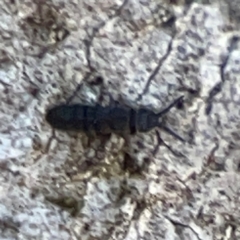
106	120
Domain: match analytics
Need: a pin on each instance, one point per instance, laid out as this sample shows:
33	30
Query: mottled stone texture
62	186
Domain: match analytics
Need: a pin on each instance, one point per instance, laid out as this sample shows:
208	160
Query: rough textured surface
57	185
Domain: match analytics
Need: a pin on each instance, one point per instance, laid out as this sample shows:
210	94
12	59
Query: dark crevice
85	79
218	87
161	142
182	225
95	30
155	72
88	44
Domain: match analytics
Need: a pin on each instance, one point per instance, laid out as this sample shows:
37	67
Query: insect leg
91	136
112	101
161	142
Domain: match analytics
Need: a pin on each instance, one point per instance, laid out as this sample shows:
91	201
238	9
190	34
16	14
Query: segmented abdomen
102	120
68	117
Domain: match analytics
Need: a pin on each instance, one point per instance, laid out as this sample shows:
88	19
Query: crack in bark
161	142
88	44
176	223
155	72
95	30
218	87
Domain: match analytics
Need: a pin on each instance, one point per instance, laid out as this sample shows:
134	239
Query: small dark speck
131	91
86	227
121	43
140	144
173	1
185	69
54	85
211	221
9	101
98	80
140	49
193	21
128	163
170	205
192	91
201	52
16	173
135	151
33	91
199	190
191	136
89	8
222	192
235	39
180	105
21	109
146	160
239	166
33	195
6	91
219	167
170	22
181	49
208	109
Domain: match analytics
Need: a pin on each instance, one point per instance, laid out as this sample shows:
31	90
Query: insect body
106	120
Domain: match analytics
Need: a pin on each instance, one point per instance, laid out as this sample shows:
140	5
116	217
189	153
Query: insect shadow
98	120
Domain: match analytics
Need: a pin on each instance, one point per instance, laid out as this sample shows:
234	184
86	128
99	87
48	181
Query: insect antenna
171	132
164	111
161	142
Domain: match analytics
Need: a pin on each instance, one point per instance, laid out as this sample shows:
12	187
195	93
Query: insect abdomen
67	117
112	120
102	120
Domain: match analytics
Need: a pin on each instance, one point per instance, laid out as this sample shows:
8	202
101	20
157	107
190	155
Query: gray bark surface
58	185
